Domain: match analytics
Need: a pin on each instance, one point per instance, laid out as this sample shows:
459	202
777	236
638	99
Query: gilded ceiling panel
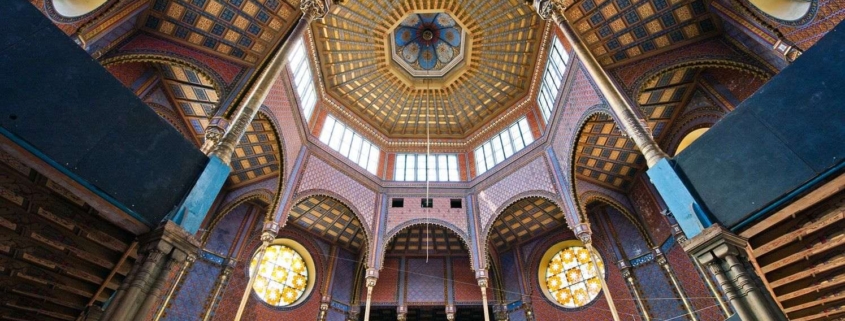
501	44
604	156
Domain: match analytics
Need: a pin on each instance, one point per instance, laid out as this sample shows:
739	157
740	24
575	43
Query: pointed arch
591	197
261	195
299	198
390	235
202	69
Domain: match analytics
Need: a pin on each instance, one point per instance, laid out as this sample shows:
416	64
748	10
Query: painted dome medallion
428	44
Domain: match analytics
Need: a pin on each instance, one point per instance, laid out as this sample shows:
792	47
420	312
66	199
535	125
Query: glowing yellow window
283	275
568	274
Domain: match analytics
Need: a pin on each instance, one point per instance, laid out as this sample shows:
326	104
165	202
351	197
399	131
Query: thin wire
427	164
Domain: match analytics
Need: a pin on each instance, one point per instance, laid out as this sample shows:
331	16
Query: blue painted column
190	214
681	202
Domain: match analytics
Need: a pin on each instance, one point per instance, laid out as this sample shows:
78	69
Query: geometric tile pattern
619	30
194	96
524	220
257	155
663	97
415	239
353	43
605	157
242	29
331	220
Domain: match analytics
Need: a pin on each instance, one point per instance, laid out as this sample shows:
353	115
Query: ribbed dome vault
354	46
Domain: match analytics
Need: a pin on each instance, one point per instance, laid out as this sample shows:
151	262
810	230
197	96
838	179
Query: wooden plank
830	188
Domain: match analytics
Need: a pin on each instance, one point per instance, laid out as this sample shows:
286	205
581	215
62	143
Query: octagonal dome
428	44
499	43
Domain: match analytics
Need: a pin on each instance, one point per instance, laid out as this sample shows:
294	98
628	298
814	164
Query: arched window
788	10
689	138
285	275
568	274
76	8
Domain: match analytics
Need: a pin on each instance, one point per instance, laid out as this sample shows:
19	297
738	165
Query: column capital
583	232
314	9
714	242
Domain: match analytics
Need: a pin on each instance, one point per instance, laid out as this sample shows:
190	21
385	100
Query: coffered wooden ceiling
257	155
244	30
194	96
662	98
618	31
414	240
352	42
330	219
605	157
524	220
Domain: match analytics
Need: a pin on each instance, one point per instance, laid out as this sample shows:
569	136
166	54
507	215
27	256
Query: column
583	232
661	260
325	302
372	277
450	312
551	9
401	313
662	174
721	252
628	275
139	297
681	239
222	281
481	276
193	209
271	229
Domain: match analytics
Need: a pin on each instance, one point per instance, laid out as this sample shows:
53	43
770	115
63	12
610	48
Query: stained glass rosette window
571	277
282	276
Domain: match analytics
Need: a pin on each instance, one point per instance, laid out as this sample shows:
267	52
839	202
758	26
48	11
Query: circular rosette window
285	274
568	274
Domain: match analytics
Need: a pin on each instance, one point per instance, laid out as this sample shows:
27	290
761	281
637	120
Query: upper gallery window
283	275
552	78
500	147
418	167
302	78
350	144
568	274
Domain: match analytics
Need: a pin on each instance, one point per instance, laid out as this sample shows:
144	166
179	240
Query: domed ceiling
467	61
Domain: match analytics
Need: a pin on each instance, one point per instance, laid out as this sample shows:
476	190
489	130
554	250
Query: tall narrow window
302	79
418	167
503	145
350	144
552	78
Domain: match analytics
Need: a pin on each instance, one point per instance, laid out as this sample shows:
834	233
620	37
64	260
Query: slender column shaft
664	263
246	111
484	303
129	305
600	275
121	292
630	124
154	294
266	238
367	306
224	277
629	276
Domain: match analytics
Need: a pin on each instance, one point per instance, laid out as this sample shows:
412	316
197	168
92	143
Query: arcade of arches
345	160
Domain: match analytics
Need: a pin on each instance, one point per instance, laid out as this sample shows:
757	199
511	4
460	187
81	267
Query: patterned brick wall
196	291
127	73
318	175
510	276
631	76
344	276
223	235
279	103
465	285
599	309
662	301
259	311
425	280
578	97
633	243
388	282
739	84
440	211
649	210
586	190
536	176
694	286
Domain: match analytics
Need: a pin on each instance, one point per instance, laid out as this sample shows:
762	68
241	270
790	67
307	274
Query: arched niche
76	8
787	10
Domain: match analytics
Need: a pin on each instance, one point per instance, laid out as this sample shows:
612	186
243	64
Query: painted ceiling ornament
428	41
